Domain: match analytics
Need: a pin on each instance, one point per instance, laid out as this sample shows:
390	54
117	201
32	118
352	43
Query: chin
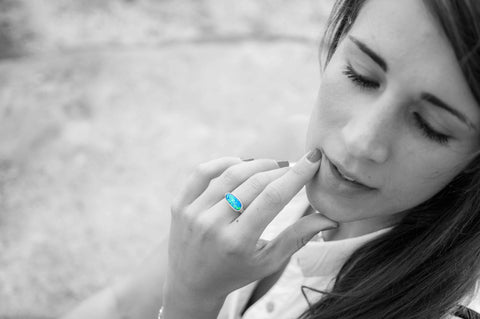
331	209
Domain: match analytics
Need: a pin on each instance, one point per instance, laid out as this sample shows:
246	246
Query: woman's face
394	114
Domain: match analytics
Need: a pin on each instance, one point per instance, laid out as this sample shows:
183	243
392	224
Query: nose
368	133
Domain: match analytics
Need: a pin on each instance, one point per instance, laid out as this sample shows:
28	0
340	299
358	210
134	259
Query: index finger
253	221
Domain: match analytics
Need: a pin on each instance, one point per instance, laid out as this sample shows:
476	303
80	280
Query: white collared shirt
315	265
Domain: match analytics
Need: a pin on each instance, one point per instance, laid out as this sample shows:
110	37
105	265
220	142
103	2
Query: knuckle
292	238
299	238
299	170
232	246
204	229
260	244
232	249
201	171
258	181
231	175
198	228
272	195
177	210
185	215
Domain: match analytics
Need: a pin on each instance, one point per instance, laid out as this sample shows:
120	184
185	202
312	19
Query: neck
360	227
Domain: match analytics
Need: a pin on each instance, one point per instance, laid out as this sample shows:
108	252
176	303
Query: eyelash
366	83
359	80
429	132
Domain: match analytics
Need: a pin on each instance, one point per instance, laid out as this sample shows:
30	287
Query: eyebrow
437	102
372	54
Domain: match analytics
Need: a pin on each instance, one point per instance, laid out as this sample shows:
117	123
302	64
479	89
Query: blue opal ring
234	202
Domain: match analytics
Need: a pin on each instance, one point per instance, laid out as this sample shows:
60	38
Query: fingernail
314	156
248	159
283	164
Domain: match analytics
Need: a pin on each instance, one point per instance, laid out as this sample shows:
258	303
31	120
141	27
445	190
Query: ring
234	202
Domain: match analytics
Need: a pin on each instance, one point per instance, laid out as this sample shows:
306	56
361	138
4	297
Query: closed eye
429	132
360	80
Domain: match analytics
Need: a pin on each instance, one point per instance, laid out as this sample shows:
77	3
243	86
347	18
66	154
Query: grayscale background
105	107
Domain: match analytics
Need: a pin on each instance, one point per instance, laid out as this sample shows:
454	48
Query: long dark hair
430	261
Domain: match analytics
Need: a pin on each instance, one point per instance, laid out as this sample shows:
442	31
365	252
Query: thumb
297	235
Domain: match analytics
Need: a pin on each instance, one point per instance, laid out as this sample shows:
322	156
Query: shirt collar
325	258
317	257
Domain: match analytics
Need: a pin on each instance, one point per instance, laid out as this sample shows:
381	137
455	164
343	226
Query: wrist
183	303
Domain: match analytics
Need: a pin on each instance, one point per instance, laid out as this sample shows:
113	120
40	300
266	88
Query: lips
347	177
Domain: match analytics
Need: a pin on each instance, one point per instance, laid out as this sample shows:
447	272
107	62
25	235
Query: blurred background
106	106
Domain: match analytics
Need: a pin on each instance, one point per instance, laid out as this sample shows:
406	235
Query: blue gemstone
233	201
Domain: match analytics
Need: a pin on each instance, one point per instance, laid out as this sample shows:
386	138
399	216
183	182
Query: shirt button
270	306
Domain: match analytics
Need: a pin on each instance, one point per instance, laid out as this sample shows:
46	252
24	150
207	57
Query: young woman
391	228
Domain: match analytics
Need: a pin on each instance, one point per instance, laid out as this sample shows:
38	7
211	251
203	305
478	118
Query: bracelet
160	313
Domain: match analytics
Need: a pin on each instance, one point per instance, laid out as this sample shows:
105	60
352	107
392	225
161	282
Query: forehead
404	31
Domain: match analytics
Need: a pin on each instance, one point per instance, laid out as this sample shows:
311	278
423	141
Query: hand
214	250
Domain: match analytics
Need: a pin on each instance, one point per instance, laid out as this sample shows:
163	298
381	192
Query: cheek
335	94
414	181
331	108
